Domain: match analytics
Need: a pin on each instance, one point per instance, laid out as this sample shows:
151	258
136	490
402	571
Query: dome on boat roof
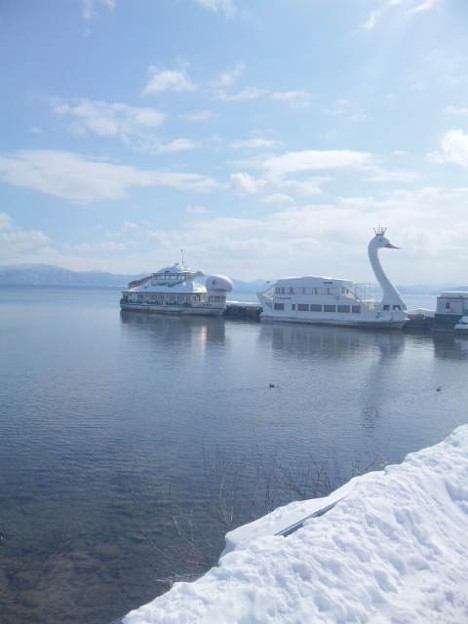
177	269
219	282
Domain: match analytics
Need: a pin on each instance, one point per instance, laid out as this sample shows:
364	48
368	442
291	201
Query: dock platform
243	310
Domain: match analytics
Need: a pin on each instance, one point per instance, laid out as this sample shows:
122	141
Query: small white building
451	306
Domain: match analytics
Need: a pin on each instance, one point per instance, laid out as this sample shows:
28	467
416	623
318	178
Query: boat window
447	306
277	290
315	307
344	308
293	306
291	291
329	308
279	306
303	307
356	309
386	307
397	307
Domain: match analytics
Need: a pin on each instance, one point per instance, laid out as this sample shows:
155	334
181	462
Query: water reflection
371	361
448	346
332	342
173	329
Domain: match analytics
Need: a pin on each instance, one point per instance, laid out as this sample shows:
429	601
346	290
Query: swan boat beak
390	246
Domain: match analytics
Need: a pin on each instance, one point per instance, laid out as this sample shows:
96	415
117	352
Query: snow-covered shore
393	549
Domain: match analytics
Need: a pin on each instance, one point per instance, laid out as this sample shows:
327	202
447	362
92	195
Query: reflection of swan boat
175	290
332	342
328	301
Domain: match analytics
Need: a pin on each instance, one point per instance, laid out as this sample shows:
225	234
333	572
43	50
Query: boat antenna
182	256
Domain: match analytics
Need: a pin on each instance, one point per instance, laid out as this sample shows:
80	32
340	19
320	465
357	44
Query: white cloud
372	20
300	187
229	77
245	95
381	175
424	6
254	143
248	94
74	178
226	7
455	110
92	248
197	211
89	7
453	149
167	80
297	99
331	238
277	198
409	7
15	242
245	184
178	145
315	160
108	119
204	115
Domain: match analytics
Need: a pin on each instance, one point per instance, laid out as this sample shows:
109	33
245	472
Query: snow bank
393	549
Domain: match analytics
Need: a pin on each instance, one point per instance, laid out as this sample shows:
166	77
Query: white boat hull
173	309
337	322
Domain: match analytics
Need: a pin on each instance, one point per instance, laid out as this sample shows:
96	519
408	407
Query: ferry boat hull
382	323
172	309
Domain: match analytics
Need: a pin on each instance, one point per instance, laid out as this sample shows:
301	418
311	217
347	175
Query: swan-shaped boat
177	290
329	301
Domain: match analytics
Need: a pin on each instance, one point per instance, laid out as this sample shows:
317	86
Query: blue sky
264	138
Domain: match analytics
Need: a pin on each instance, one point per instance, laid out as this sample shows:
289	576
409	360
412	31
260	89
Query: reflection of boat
461	328
175	290
174	329
331	342
327	301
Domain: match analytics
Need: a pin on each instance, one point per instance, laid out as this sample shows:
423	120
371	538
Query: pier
245	310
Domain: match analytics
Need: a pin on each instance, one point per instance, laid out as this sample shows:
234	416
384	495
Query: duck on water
330	301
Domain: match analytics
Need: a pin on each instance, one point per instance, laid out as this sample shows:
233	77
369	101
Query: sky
264	138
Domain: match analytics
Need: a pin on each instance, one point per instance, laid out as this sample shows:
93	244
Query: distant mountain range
47	275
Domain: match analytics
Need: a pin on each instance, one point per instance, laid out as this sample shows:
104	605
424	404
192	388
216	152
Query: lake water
130	443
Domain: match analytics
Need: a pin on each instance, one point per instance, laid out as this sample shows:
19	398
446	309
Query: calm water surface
129	444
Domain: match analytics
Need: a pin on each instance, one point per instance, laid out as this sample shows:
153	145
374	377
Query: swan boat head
380	241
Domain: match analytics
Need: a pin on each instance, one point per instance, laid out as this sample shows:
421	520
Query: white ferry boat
329	301
176	290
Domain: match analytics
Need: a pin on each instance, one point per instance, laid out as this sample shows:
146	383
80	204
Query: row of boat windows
163	299
315	307
291	290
